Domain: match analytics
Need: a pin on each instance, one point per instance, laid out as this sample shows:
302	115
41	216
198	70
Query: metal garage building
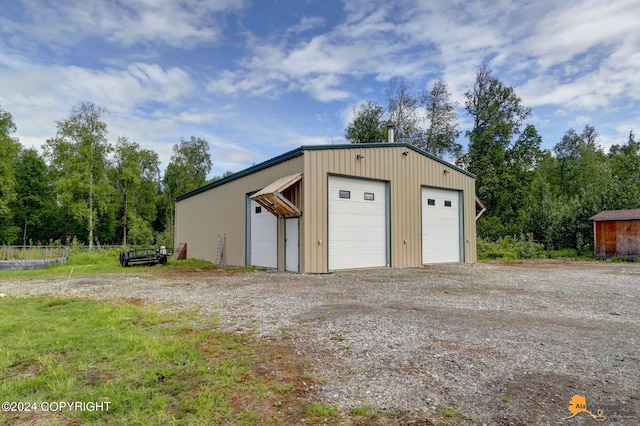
322	208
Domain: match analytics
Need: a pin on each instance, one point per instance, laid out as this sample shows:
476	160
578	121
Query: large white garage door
263	236
357	223
440	225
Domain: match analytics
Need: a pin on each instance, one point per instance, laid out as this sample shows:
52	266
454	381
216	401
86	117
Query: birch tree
135	177
427	120
441	135
78	154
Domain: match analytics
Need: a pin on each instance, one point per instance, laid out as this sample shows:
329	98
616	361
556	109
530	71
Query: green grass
283	388
151	368
322	410
510	248
450	412
81	261
365	411
84	262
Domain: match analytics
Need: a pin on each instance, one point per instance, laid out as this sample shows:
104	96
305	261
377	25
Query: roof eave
260	166
300	150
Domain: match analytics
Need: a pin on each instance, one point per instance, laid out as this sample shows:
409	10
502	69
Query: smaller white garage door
357	223
263	237
441	213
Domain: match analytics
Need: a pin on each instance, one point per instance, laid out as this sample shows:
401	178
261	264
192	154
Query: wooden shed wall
222	210
407	174
617	238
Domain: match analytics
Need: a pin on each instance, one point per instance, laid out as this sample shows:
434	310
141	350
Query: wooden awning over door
480	208
270	197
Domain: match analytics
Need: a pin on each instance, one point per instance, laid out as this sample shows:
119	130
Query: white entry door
291	245
441	225
263	237
358	223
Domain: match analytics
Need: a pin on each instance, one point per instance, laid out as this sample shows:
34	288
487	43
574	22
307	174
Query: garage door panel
441	237
263	237
357	226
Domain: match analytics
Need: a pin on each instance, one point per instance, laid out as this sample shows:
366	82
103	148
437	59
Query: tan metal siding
222	210
407	174
201	217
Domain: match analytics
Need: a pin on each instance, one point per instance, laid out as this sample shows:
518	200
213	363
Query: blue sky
258	78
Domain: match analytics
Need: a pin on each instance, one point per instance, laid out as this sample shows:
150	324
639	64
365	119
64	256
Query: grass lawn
78	361
83	262
145	366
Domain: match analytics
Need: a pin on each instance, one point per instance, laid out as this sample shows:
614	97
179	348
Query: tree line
84	189
543	195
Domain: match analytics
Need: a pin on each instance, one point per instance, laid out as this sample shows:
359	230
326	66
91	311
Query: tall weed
510	248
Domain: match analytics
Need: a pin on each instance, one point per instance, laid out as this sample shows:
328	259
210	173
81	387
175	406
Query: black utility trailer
145	256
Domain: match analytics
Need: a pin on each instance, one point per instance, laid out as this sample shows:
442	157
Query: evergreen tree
35	210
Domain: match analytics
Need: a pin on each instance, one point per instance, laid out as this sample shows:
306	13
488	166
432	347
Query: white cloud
178	23
197	116
41	95
325	88
117	89
308	23
579	122
311	140
314	67
570	29
227	155
580	58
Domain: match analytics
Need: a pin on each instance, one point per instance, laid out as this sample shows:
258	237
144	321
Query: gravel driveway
501	344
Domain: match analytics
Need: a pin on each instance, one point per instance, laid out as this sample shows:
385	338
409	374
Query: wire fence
33	252
37	252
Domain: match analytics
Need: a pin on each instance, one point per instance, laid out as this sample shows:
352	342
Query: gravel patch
502	344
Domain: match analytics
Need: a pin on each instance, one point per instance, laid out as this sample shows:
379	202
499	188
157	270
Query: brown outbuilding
617	234
317	209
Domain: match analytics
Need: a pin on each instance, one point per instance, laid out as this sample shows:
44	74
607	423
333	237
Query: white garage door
263	236
357	223
440	225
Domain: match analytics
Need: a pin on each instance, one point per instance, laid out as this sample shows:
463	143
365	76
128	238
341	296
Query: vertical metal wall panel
201	217
406	174
222	210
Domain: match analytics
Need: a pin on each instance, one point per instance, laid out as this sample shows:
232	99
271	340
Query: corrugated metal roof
617	215
300	151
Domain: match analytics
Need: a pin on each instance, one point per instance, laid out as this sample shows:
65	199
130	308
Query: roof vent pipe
390	132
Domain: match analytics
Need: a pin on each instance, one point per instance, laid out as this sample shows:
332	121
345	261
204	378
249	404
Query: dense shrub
510	248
